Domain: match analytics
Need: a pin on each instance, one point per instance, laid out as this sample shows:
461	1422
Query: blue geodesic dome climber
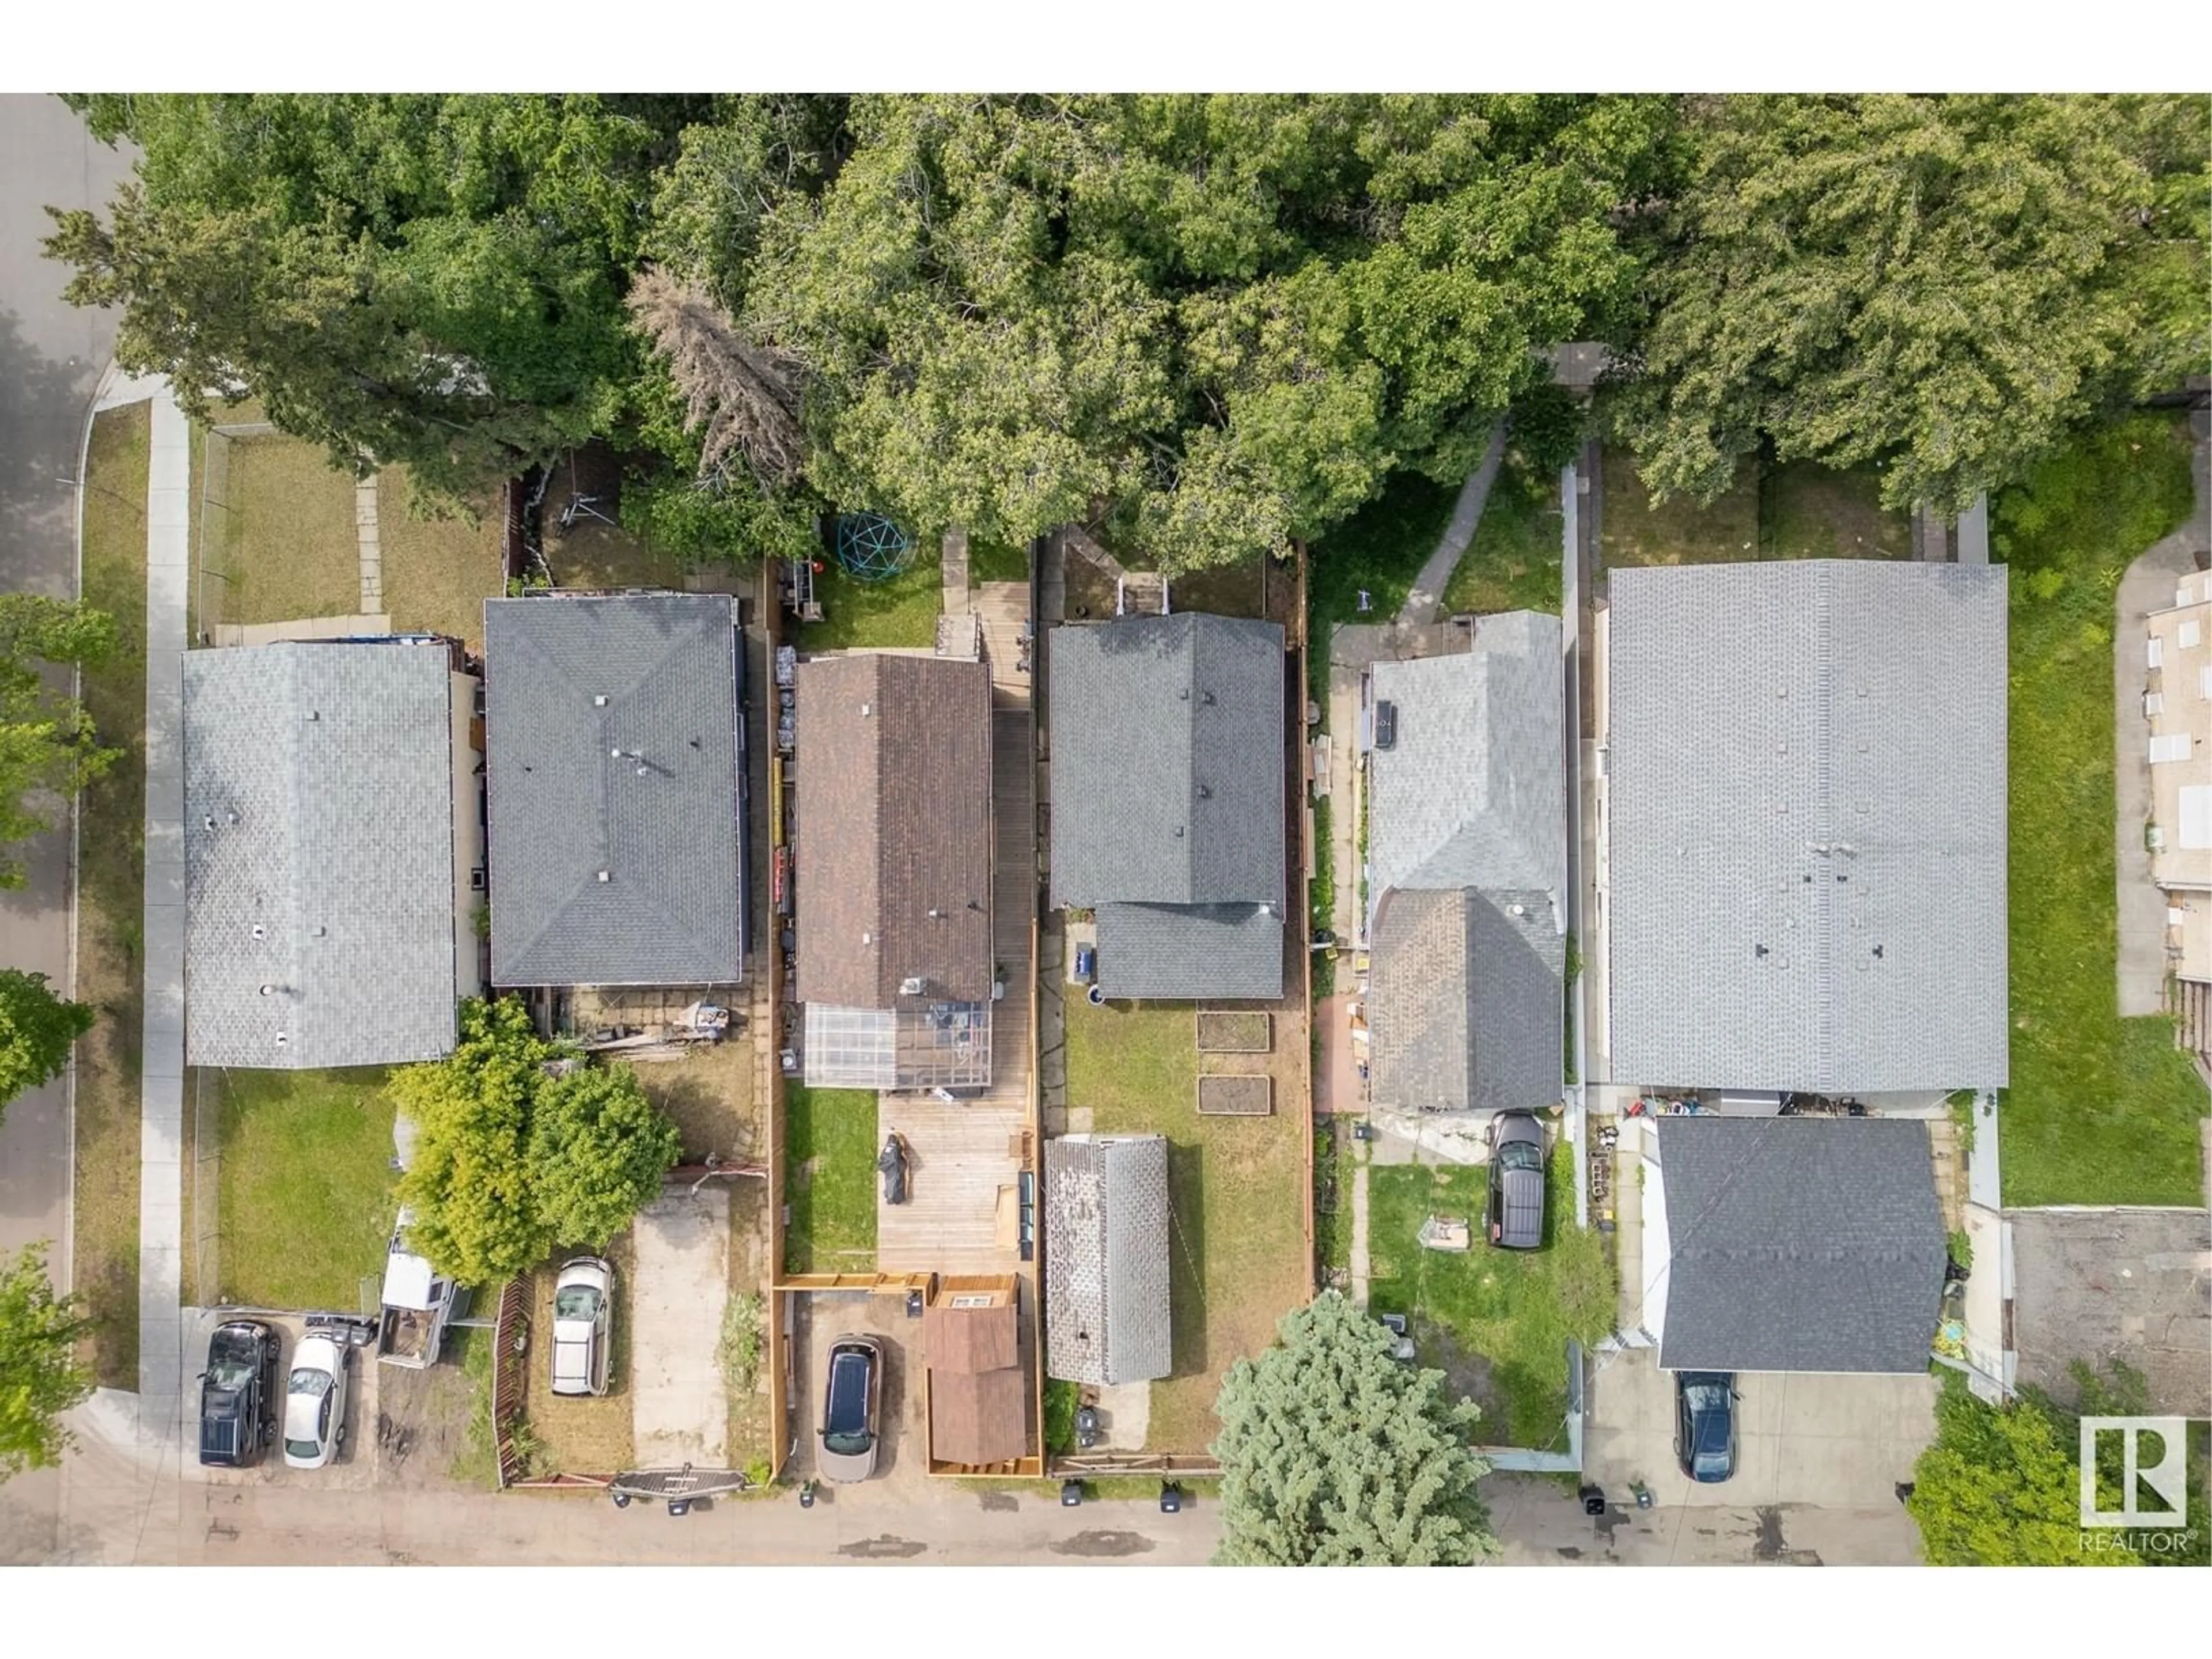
871	548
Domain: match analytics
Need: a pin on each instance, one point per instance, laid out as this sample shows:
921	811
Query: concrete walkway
1360	1264
162	1081
1421	605
372	550
2148	584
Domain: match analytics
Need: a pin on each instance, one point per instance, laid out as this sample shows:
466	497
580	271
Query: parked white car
583	1323
315	1402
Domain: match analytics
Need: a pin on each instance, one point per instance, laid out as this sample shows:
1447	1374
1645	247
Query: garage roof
1800	1244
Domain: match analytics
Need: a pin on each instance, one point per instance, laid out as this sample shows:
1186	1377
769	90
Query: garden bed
1234	1032
1235	1097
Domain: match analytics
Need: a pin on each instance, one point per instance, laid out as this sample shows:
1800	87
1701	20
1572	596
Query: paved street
51	359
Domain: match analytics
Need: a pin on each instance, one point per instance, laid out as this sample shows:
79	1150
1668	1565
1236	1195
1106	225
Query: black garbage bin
1593	1500
1071	1493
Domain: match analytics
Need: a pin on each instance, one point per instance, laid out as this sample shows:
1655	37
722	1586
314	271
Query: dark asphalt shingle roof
1799	1244
337	760
1465	1001
1186	952
1807	774
564	806
1167	761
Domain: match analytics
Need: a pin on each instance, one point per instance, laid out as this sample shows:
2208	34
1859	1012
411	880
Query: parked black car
1516	1218
1704	1425
238	1395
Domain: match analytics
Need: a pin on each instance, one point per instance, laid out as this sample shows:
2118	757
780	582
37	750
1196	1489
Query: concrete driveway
1835	1442
680	1402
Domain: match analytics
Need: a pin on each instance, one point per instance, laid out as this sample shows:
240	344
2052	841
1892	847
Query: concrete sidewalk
1428	592
162	1081
2148	585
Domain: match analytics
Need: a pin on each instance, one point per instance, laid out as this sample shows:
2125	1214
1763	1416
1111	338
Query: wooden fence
510	1361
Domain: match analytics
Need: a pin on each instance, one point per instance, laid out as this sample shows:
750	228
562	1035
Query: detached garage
1794	1244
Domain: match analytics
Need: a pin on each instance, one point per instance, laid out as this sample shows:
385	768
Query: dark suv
1704	1425
1516	1219
238	1395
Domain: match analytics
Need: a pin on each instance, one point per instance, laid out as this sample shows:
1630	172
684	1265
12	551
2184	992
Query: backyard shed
332	851
1107	1220
978	1390
616	796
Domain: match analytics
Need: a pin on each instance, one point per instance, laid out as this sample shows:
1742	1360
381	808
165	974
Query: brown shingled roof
970	1339
894	865
976	1417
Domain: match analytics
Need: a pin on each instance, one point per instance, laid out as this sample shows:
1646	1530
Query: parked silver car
315	1402
852	1401
583	1323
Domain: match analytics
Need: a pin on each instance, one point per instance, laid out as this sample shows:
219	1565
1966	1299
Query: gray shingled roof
1807	775
563	807
1800	1244
1465	1001
334	884
1167	761
1467	855
1106	1224
1184	952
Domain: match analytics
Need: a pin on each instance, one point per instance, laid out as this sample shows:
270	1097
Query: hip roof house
331	841
1169	800
1467	861
1806	786
615	790
893	872
1106	1259
1794	1244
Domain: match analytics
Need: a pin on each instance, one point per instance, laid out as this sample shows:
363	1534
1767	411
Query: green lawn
1513	562
855	614
305	1200
1497	1321
111	901
2101	1110
1379	548
288	547
437	572
1238	1255
1790	510
993	562
829	1164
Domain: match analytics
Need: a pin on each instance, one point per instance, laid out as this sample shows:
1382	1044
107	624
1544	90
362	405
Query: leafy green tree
428	278
40	1376
510	1160
1207	323
47	743
1941	286
37	1028
467	1184
598	1151
1333	1454
2002	1488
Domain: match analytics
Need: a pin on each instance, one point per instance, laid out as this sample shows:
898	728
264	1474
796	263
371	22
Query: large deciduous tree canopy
47	743
1944	286
1212	323
1334	1454
40	1376
431	279
510	1161
36	1031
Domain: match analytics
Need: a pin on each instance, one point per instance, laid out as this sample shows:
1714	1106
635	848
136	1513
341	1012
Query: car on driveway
238	1395
1704	1425
583	1315
315	1402
852	1403
1516	1218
